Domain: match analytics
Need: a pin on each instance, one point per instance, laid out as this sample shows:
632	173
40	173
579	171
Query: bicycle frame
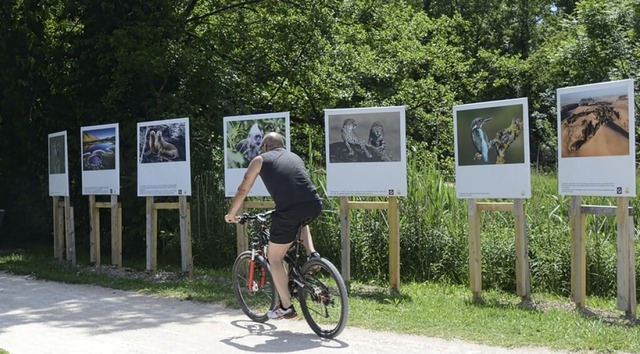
294	267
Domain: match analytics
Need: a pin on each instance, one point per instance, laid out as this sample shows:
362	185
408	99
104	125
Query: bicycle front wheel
253	287
323	300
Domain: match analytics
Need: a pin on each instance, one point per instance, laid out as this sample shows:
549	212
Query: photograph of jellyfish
99	149
100	159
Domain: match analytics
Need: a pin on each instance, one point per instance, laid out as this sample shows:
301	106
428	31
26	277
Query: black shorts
286	223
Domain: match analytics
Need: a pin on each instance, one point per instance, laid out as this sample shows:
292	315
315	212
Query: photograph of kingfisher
480	138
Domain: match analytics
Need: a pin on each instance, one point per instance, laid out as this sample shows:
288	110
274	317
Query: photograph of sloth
162	143
364	137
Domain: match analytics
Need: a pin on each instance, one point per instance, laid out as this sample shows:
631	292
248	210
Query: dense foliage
67	64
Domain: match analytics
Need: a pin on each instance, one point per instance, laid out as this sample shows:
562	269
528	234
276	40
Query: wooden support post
116	232
185	237
94	233
70	235
475	251
391	205
152	236
64	237
625	276
57	229
242	243
626	290
185	233
523	280
345	241
394	244
120	235
633	302
61	230
577	221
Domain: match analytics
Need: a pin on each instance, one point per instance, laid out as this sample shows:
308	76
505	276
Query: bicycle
316	282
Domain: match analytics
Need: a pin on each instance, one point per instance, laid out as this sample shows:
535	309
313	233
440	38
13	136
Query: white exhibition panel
164	161
100	157
242	140
596	139
362	169
58	165
482	176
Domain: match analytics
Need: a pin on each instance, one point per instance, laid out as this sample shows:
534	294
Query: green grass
431	309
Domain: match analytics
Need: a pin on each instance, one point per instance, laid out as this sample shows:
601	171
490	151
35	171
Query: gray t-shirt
286	178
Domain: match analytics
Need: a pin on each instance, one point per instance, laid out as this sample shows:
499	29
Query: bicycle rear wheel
254	289
324	301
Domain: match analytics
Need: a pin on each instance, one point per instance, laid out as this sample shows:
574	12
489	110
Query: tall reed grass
434	232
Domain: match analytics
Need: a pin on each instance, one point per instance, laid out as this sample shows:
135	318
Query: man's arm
247	183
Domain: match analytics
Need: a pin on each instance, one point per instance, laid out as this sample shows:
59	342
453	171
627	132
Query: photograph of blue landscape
99	149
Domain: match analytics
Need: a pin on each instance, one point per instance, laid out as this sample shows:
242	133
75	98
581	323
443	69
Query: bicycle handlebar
261	217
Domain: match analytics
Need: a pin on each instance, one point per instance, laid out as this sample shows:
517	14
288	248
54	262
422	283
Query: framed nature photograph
164	161
491	143
58	165
242	141
596	139
366	151
100	159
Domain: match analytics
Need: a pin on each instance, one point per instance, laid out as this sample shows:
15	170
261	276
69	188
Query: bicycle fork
251	284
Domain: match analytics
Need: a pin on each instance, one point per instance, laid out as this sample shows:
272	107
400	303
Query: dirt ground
47	317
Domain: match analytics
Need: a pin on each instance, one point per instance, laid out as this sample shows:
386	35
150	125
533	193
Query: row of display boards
365	150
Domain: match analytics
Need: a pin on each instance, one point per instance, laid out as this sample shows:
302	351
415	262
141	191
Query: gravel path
48	317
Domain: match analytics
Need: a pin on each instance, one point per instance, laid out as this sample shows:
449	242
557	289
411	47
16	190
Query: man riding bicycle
297	203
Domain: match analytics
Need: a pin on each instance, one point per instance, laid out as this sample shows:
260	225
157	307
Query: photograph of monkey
244	138
162	143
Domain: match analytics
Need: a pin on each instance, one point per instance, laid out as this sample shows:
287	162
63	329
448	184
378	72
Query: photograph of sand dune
595	123
596	139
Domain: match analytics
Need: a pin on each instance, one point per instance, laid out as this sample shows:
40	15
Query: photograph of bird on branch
491	135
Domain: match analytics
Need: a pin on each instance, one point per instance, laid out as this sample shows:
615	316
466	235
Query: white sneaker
280	312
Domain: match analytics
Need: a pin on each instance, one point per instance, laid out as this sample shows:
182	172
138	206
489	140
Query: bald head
272	141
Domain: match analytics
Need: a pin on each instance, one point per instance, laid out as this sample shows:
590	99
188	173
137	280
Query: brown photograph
594	125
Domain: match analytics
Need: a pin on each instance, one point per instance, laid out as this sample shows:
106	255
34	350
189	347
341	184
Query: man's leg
279	274
307	240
